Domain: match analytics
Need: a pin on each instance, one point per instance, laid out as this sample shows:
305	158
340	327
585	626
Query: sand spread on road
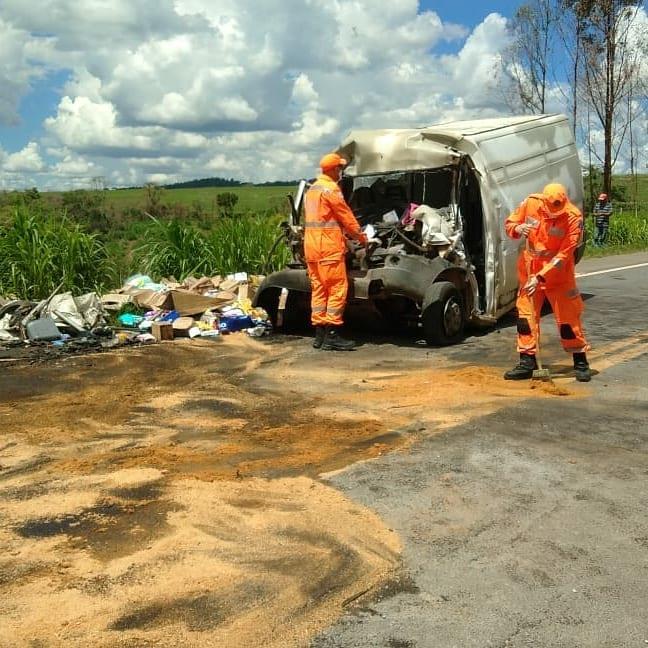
170	495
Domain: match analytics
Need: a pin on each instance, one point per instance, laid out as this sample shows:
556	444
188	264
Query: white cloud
72	165
253	89
91	127
26	161
17	71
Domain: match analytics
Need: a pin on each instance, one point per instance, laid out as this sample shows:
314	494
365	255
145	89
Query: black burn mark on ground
108	530
198	613
143	492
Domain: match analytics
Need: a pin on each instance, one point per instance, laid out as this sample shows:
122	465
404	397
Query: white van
436	199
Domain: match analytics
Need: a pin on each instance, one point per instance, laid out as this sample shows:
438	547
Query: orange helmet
555	198
331	161
603	196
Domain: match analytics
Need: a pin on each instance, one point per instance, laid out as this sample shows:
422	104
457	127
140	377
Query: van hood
442	145
384	151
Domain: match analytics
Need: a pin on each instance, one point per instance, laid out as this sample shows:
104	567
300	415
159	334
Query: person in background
602	212
552	227
328	219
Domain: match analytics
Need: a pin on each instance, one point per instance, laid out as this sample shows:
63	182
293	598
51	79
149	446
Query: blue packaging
231	323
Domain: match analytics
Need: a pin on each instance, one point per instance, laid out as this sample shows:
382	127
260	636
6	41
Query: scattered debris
140	312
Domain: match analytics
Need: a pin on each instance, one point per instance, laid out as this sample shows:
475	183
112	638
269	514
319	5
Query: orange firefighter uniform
555	228
327	219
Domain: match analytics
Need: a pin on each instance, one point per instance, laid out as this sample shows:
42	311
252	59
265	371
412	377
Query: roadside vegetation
39	250
93	240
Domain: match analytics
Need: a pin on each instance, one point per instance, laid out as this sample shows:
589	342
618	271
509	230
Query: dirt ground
170	495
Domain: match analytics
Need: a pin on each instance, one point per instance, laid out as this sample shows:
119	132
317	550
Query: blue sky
467	12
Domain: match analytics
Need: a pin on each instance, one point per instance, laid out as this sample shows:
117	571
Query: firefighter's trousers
567	306
329	288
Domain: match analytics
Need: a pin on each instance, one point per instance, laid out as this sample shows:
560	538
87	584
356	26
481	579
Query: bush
627	231
226	203
87	208
38	251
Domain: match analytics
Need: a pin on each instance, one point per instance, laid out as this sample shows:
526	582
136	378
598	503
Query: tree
527	61
611	61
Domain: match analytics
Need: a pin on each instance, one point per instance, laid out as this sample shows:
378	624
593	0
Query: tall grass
239	244
174	249
243	244
39	250
627	232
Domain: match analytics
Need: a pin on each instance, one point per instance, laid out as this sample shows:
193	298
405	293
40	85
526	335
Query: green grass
40	250
628	233
626	182
240	244
250	198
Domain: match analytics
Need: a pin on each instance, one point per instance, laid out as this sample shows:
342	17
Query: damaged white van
434	201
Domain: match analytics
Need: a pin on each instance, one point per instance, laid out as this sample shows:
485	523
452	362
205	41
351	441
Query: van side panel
516	164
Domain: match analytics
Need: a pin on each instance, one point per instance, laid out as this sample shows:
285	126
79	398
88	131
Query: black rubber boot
523	370
320	333
333	341
582	368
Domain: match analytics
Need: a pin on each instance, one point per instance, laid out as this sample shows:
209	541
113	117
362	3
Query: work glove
531	285
523	230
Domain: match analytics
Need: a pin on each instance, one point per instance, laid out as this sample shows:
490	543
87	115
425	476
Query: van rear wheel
443	317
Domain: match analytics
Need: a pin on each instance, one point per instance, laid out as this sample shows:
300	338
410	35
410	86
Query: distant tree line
224	182
205	182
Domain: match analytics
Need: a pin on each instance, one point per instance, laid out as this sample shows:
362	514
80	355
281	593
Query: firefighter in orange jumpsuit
553	228
327	219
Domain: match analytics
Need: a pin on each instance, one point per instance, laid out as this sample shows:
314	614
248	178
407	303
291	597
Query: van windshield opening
371	197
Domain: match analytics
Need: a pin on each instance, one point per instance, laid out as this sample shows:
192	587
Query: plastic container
130	319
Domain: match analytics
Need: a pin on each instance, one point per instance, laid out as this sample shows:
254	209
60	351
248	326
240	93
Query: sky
136	91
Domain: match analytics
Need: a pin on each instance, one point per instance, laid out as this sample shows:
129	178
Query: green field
250	198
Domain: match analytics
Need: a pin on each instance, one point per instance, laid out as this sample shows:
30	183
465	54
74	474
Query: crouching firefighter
552	228
327	219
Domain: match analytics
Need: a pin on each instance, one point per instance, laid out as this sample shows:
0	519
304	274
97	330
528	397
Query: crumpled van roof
440	145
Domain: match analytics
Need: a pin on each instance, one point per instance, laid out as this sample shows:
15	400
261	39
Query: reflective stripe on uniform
322	224
542	253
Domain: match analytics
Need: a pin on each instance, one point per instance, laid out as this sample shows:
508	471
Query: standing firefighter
552	227
327	219
602	213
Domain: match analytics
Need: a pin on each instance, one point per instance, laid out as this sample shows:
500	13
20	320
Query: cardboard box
182	326
162	331
188	303
151	299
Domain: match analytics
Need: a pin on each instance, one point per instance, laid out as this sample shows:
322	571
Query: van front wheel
443	317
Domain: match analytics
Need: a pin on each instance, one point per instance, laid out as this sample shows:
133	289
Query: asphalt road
527	526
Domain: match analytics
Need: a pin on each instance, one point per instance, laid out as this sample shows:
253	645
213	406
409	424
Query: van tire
443	314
